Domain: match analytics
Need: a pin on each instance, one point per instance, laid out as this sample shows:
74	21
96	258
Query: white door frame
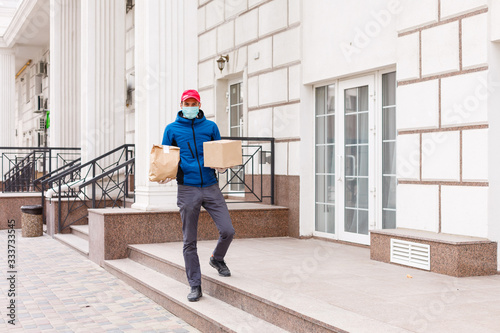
369	81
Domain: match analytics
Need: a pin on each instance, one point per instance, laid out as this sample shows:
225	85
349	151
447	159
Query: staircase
235	304
78	239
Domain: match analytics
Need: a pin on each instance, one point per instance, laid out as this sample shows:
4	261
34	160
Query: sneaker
220	266
195	294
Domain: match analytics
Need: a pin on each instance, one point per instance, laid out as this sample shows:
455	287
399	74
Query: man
197	187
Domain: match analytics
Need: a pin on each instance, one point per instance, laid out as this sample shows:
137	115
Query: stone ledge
112	230
449	254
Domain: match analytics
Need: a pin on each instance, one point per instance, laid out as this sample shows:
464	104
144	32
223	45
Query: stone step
255	297
81	231
208	315
79	244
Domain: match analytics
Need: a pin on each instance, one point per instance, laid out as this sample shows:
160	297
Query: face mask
190	112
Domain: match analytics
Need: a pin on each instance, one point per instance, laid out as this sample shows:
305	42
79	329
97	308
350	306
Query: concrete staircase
78	239
235	304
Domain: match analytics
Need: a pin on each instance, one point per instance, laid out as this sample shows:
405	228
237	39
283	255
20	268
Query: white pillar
103	76
65	73
7	97
165	65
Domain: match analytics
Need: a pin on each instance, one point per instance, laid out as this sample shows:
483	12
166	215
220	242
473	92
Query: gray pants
190	199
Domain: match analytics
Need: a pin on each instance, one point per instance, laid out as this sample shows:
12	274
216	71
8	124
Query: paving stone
59	290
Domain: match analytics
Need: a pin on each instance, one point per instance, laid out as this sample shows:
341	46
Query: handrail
24	163
242	166
40	148
48	175
67	172
102	175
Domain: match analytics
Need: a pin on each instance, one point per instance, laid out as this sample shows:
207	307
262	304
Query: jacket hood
199	119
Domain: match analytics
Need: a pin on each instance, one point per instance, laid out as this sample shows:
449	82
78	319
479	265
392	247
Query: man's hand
165	181
221	170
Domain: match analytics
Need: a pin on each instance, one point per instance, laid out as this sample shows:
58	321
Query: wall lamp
221	62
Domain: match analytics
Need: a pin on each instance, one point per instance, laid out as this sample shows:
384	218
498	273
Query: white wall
345	37
263	41
25	105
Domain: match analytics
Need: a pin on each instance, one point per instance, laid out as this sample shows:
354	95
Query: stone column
102	76
166	64
7	97
65	73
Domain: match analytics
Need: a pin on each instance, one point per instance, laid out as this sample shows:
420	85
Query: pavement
58	290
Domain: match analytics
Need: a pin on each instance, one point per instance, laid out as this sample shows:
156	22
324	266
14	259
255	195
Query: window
325	159
389	133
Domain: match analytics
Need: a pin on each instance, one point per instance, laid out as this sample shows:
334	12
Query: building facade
384	112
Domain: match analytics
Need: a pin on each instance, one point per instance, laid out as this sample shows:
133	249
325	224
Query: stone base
449	254
79	213
112	230
10	206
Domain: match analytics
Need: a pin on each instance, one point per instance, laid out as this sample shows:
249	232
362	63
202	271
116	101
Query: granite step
254	296
208	315
79	244
81	231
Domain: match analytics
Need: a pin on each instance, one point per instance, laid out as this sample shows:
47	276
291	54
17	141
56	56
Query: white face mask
190	112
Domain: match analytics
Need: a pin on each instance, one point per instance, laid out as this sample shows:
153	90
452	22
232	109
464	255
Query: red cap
190	94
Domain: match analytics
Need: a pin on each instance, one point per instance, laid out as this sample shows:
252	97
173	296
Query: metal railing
22	165
91	185
246	181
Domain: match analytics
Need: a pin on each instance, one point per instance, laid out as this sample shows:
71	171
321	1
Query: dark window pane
330	159
320	100
350	222
389	192
389	124
363	98
330	219
388	219
321	217
351	192
330	129
330	189
389	158
235	131
350	100
389	89
362	222
362	167
320	189
362	193
350	161
351	127
320	130
320	159
235	119
363	128
331	99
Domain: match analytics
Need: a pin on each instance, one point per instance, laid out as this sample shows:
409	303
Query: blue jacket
189	135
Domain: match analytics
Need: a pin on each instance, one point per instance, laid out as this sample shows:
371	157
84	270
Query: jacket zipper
196	149
190	149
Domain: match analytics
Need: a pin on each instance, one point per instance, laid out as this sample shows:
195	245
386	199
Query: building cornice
23	11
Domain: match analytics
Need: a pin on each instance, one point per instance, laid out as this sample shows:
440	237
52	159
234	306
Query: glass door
237	174
355	165
356	200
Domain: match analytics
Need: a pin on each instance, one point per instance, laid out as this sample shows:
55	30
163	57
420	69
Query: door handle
353	167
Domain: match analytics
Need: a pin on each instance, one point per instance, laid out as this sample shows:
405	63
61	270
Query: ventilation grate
411	254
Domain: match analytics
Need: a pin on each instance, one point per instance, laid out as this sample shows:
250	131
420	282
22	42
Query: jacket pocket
191	150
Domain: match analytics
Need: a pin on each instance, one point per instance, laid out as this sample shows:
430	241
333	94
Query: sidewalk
59	290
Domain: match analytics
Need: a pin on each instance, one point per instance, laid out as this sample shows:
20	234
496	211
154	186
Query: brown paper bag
163	163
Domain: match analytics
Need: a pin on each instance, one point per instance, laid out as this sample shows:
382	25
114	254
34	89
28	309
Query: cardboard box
222	153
